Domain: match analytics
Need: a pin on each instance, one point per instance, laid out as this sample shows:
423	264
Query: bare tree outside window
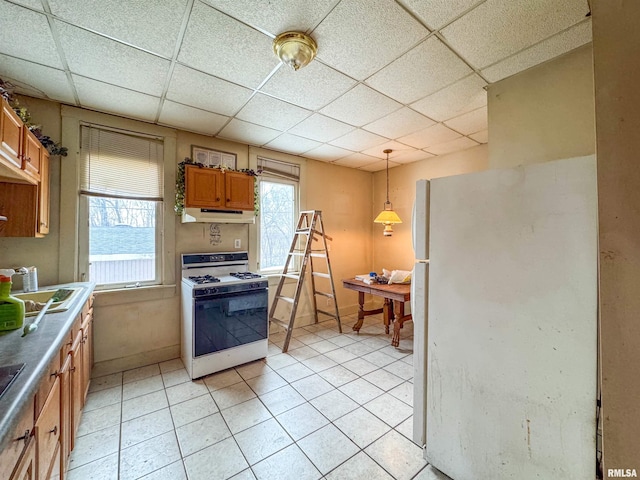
277	222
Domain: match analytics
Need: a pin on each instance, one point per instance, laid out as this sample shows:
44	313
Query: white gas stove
224	312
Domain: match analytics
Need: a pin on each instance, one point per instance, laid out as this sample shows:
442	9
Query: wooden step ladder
310	229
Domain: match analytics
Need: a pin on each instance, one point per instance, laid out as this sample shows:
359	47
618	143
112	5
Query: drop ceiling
409	75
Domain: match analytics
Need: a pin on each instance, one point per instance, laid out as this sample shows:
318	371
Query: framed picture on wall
213	158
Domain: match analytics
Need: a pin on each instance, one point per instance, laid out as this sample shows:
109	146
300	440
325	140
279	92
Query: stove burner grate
245	275
202	279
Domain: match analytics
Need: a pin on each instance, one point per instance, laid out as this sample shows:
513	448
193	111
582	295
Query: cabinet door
18	202
65	410
48	432
31	148
87	353
203	187
26	468
77	392
18	441
239	188
11	136
43	193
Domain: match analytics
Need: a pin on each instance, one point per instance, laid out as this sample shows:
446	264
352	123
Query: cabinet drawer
48	431
19	439
47	383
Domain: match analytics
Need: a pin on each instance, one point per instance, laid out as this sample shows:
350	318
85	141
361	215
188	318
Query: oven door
229	320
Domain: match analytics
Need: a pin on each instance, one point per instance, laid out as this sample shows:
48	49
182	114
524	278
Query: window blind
278	168
123	165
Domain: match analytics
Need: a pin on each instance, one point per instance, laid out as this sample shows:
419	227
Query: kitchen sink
42	296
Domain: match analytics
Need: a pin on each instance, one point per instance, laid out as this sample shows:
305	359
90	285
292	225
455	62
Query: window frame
296	214
69	251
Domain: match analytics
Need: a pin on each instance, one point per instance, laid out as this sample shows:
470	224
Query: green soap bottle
11	308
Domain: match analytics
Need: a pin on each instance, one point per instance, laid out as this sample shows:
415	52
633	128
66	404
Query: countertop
36	351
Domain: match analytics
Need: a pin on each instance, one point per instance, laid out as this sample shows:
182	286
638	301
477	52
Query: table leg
387	314
398	320
358	324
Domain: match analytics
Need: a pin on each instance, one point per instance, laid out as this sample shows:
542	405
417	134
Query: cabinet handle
72	369
54	374
217	199
24	437
54	430
228	200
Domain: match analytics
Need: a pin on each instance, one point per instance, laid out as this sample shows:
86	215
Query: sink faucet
29	278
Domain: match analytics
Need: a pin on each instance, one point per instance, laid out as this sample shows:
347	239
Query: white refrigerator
504	301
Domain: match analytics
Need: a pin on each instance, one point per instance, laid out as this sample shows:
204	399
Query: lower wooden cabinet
45	436
26	468
48	433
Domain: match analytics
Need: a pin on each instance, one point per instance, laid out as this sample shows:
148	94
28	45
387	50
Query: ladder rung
304	231
319	255
323	275
327	313
324	294
279	322
297	254
291	275
286	299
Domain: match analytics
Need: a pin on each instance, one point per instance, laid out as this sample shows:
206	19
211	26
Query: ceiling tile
35	4
327	153
97	57
292	144
271	112
111	99
245	132
436	13
456	145
39	47
470	122
378	151
224	47
497	28
413	156
360	36
437	133
312	87
276	17
378	166
421	71
399	123
481	136
154	29
358	140
204	91
357	160
36	80
321	128
461	97
550	48
360	105
191	119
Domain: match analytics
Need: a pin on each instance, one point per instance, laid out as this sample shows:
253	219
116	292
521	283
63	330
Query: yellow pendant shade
387	216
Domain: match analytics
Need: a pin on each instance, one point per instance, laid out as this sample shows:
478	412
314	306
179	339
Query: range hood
203	215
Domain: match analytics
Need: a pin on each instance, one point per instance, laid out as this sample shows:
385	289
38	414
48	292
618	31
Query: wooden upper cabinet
11	136
239	188
43	194
203	187
31	152
212	188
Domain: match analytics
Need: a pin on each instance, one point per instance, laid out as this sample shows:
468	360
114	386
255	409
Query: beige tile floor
334	407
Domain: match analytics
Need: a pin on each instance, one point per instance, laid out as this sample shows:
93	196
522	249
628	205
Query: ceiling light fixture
295	49
387	216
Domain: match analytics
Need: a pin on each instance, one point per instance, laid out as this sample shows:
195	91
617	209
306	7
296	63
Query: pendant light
387	216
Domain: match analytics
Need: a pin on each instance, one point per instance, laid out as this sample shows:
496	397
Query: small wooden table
393	309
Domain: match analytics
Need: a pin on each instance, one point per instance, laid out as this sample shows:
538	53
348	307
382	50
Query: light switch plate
237	243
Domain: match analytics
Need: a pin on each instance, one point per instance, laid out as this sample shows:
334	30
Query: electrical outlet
237	243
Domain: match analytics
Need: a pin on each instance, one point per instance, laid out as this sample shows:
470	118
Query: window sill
121	296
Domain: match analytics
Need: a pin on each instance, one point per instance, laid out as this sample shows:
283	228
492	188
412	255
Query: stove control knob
212	290
254	285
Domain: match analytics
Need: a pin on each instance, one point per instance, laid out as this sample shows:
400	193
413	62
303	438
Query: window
278	212
121	187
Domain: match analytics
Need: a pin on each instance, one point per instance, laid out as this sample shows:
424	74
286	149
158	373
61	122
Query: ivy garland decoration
6	92
180	181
